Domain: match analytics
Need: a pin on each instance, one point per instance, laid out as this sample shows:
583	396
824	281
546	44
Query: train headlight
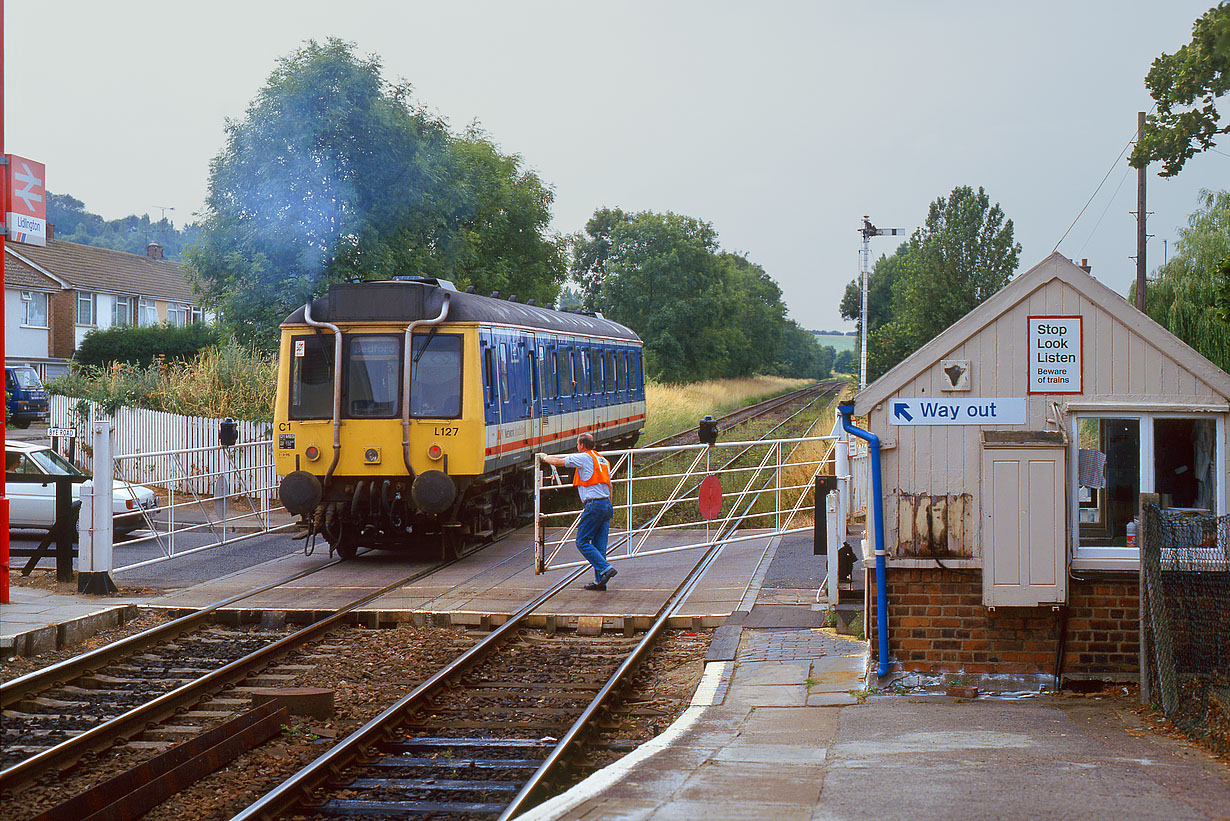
312	453
435	452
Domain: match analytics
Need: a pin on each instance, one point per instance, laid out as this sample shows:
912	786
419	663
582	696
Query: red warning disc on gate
710	498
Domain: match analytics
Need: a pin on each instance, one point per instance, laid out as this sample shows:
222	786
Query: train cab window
373	368
435	376
504	372
311	377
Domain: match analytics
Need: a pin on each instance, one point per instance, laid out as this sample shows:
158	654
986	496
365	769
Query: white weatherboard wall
1129	362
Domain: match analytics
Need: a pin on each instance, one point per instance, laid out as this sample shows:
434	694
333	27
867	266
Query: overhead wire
1126	146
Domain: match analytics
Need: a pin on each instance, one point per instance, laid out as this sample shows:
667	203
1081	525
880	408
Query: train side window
532	361
610	371
489	375
621	373
504	372
553	380
566	377
311	377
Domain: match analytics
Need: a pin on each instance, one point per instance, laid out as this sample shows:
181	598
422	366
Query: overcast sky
782	123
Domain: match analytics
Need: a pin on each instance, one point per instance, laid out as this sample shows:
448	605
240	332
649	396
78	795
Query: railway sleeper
353	808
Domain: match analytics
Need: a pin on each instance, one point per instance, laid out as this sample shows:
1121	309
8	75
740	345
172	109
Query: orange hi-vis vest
600	476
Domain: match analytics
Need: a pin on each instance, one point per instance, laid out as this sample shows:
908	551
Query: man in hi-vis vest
593	482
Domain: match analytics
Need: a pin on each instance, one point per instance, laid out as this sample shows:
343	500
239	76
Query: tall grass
227	380
674	408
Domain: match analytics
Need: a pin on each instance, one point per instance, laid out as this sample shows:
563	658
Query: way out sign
965	411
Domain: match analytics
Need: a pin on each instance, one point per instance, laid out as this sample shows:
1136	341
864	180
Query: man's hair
586	440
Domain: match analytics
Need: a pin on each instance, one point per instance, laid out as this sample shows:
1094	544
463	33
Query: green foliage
132	233
963	253
142	345
703	313
227	380
1186	85
1191	294
335	174
802	356
844	362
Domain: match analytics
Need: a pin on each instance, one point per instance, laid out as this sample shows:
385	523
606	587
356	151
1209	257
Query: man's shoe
595	586
607	575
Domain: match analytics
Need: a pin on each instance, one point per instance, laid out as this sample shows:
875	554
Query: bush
226	380
141	346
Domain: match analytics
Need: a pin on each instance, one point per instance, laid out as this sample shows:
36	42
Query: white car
33	505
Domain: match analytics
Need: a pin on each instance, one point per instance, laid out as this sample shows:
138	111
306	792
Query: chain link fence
1185	630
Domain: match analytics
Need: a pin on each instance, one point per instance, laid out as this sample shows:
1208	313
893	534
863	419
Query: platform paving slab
40	621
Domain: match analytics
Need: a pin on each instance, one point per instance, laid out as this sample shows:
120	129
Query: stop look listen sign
1056	347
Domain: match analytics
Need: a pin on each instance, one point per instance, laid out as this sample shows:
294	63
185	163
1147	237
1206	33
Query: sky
781	123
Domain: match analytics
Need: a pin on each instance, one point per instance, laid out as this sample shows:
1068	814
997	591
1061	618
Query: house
57	293
1015	449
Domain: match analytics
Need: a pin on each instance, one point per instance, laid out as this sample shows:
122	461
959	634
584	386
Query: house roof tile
87	268
20	274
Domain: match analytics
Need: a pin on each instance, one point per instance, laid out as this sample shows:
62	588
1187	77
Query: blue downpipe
877	501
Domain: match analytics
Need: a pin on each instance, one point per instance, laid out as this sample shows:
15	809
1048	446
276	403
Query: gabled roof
87	268
19	273
1054	267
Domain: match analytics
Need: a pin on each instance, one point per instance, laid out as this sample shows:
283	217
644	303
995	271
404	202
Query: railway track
126	690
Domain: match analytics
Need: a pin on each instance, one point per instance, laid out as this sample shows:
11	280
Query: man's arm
558	461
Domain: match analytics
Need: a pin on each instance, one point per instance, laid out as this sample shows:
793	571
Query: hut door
1023	516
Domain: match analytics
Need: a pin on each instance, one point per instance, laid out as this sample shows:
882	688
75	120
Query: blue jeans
592	533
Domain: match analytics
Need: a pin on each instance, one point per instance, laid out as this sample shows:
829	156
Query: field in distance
840	342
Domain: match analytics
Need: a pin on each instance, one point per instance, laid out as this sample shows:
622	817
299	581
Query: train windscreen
311	377
435	377
373	369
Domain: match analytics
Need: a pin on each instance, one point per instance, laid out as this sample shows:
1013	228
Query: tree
335	174
844	362
1191	292
702	313
131	234
963	253
802	356
1186	85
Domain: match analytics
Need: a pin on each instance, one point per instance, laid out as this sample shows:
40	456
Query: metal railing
770	481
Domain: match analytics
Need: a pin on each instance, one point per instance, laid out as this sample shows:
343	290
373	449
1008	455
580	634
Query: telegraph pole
868	231
1141	214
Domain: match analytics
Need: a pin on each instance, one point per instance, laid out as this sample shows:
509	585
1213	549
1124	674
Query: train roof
405	300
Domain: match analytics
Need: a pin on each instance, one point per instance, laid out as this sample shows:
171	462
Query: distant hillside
132	233
839	341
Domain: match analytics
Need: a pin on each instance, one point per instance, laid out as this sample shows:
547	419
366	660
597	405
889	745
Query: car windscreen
26	378
53	463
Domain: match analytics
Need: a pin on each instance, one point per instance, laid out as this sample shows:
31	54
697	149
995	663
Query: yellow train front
423	436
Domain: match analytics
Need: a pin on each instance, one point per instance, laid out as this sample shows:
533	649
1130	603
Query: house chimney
153	251
1086	267
51	231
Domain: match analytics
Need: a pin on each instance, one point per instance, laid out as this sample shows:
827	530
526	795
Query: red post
4	500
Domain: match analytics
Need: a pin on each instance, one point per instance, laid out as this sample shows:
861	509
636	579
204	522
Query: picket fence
180	453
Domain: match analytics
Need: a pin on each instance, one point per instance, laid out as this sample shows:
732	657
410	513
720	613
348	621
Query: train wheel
347	544
451	542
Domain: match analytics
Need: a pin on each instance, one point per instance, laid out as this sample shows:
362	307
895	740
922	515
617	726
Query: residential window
34	309
87	308
196	315
177	315
121	310
1120	456
147	312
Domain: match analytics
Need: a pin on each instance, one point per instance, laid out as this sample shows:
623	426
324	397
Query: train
408	413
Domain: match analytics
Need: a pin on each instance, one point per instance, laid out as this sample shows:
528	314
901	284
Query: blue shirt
583	463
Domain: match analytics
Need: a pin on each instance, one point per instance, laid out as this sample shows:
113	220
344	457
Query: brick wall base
937	624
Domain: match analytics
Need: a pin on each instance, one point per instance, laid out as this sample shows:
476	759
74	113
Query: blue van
27	398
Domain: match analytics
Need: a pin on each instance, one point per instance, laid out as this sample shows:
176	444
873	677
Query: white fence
177	452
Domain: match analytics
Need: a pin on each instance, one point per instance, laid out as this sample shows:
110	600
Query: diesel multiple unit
408	413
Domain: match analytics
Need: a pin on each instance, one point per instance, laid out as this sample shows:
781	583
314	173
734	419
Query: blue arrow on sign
902	409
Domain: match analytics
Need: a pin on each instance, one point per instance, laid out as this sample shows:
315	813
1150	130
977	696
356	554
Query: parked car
33	505
26	396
